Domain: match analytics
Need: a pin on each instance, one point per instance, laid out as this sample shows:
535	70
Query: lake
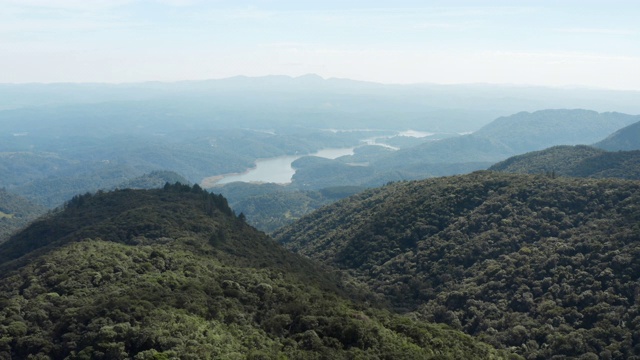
278	169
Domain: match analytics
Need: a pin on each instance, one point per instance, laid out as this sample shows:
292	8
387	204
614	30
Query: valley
383	242
279	170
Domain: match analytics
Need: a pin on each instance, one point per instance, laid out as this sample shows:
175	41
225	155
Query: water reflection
278	169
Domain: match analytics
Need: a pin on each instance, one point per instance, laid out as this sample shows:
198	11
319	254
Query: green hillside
544	266
172	273
577	161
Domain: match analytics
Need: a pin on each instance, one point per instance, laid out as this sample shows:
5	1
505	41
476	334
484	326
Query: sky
560	43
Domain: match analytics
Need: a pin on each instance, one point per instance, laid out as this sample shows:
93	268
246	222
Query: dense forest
541	265
577	161
174	273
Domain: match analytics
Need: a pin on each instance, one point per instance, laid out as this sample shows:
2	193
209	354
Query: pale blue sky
557	43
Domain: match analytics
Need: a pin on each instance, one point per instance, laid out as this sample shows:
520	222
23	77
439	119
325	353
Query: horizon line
317	76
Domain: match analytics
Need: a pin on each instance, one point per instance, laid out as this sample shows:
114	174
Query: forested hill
15	212
627	138
548	266
578	161
172	273
526	131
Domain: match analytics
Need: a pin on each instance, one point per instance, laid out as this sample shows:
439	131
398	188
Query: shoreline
214	181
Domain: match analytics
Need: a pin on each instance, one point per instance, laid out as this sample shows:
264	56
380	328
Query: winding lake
278	169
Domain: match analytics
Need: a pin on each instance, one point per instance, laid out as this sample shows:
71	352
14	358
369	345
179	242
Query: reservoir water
278	169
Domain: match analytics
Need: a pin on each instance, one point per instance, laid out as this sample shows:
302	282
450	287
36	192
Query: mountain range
502	138
331	102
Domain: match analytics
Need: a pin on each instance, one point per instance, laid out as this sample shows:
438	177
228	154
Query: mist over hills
519	133
15	213
627	138
544	266
51	187
516	96
73	138
527	131
496	141
443	107
173	273
500	139
265	103
50	169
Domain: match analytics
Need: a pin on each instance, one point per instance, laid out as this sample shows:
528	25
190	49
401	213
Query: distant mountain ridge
480	96
519	133
524	131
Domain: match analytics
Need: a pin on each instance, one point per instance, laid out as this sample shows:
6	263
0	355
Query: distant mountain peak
310	77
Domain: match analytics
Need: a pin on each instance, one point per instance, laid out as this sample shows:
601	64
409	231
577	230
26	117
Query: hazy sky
544	42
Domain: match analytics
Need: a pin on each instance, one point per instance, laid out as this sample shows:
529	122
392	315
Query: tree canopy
174	273
544	266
